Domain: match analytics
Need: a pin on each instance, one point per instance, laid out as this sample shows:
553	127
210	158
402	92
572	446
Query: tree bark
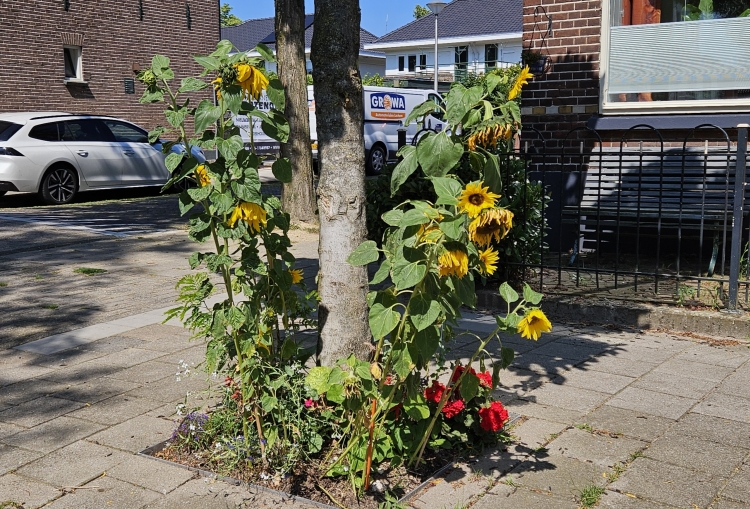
343	288
297	196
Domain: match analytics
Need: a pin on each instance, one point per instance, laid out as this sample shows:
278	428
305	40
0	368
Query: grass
3	284
38	276
590	495
634	456
10	504
617	469
88	271
50	306
510	482
586	427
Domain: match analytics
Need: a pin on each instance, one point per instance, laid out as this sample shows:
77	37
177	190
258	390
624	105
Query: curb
634	315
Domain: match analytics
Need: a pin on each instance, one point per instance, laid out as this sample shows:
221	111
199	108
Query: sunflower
533	324
217	87
488	261
297	275
493	223
201	175
522	79
475	198
487	136
252	81
453	263
252	213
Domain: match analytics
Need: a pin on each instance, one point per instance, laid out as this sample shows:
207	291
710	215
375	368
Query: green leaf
268	402
206	114
186	203
413	217
276	126
282	170
531	296
176	118
453	227
496	374
404	168
508	294
223	48
407	274
459	100
208	63
402	363
471	118
172	161
317	379
275	93
366	252
393	217
191	84
235	317
335	394
492	177
506	357
423	311
417	408
465	290
265	52
447	190
160	67
469	387
382	320
424	345
437	154
383	272
421	110
491	81
154	134
230	147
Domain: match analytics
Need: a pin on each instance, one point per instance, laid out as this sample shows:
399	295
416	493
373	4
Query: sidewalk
658	421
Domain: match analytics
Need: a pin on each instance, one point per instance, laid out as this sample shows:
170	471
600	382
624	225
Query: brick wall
567	95
114	38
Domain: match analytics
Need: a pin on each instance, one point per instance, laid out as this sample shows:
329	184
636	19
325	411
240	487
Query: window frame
654	107
497	54
76	53
422	62
401	62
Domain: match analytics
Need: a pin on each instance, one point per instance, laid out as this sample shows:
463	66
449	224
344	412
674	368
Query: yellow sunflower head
201	175
244	72
297	276
491	224
252	81
533	324
475	198
488	261
487	136
252	213
522	79
453	262
217	87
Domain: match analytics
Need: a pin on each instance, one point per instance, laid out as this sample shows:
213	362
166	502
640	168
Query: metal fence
642	217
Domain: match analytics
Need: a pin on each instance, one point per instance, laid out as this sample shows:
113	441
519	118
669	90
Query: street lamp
436	8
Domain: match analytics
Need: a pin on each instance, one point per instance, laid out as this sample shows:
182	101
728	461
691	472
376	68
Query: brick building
81	56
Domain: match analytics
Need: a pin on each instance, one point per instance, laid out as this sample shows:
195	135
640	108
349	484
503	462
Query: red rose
494	417
435	392
453	408
485	379
458	371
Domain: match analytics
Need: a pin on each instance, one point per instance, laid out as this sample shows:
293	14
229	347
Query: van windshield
8	129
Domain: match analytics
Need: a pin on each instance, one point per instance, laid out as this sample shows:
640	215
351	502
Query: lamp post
436	8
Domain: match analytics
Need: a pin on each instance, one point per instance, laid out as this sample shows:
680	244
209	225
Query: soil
310	483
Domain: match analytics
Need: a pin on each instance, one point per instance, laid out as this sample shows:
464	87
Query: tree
420	11
226	17
297	197
343	314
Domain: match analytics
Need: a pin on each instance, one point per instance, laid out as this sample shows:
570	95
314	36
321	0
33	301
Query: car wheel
376	159
59	185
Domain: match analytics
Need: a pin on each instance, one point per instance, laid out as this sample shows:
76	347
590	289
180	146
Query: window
490	56
46	132
422	62
461	61
669	56
401	63
126	133
412	63
8	129
72	57
86	130
437	112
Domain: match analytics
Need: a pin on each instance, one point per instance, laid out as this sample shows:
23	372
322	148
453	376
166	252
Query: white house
473	36
253	31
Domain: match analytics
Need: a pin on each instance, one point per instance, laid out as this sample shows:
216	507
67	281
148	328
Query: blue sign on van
387	105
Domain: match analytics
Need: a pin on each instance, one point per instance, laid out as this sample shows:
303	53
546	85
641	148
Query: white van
385	111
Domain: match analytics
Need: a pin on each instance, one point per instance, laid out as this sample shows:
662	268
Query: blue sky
374	12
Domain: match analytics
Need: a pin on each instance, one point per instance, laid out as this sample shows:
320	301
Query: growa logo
388	106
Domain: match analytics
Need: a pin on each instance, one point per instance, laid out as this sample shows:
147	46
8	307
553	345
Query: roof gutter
505	36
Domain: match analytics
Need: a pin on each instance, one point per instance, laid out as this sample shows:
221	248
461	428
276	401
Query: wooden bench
693	190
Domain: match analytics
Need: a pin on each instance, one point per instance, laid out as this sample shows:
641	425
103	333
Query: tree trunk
341	190
297	197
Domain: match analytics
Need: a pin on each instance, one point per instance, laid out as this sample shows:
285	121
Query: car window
46	132
8	129
126	132
88	130
437	112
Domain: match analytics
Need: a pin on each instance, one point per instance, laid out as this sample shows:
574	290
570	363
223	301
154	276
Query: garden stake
368	463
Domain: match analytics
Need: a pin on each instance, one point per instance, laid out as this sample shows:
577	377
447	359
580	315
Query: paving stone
495	462
723	405
719	356
738	487
570	352
156	332
515	383
29	493
614	500
601	450
559	475
149	473
97	389
129	357
73	465
455	489
12	358
723	503
644	350
13	375
116	409
12	458
522	498
695	370
172	390
148	372
80	373
677	385
668	484
543	364
571	398
39	410
53	434
135	434
594	380
632	424
546	412
618	366
655	403
737	383
535	432
194	356
108	493
28	390
714	429
696	454
167	345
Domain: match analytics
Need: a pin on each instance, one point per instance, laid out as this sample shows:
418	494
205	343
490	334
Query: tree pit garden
361	432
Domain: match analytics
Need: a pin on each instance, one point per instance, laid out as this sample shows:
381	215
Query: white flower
214	374
217	445
192	427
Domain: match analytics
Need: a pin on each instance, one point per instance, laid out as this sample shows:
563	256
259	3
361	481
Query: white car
59	154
